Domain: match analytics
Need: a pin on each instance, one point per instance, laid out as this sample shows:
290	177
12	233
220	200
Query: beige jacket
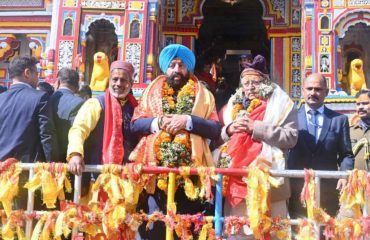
360	146
283	137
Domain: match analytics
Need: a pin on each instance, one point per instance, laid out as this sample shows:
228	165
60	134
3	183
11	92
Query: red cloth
243	150
113	150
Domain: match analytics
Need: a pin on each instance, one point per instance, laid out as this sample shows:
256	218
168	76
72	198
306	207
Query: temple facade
296	36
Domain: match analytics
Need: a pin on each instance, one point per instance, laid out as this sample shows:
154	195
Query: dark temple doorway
229	30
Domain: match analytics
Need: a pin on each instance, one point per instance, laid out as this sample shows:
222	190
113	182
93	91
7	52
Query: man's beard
177	84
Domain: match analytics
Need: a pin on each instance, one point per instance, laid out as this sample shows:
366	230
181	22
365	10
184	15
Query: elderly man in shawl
101	133
260	126
177	116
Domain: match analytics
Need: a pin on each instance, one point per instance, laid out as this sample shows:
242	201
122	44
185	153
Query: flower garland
238	106
185	99
174	150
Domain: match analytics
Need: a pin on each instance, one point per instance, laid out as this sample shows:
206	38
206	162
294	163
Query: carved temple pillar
150	57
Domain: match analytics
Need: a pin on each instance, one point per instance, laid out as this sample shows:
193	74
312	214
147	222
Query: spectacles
251	82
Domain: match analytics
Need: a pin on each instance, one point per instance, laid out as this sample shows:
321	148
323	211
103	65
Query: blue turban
176	51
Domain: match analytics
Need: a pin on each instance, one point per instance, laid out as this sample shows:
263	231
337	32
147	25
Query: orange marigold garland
174	150
238	108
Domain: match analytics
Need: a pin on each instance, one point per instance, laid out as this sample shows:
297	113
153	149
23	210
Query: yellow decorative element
306	230
205	176
38	228
100	73
36	52
118	189
9	186
114	215
162	182
191	191
149	59
253	105
236	109
308	193
362	143
308	61
52	178
2	73
25	24
356	76
353	196
207	232
4	48
258	182
6	232
136	5
348	228
340	75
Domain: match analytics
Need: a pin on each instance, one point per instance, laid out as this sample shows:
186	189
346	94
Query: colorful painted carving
100	72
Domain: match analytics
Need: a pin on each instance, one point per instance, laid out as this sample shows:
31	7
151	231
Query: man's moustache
314	97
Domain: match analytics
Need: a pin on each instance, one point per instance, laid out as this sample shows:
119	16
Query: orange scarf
243	150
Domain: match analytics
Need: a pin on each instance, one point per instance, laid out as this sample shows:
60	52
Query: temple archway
100	37
352	33
229	30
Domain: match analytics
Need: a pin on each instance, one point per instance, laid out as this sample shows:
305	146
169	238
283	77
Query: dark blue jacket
333	149
65	106
26	129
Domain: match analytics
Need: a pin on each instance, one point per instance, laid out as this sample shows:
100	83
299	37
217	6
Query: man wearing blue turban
176	51
176	117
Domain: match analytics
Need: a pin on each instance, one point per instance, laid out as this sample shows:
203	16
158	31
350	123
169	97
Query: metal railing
217	218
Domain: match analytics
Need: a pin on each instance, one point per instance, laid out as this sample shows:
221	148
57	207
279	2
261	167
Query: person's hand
248	124
76	164
341	184
165	121
240	125
178	122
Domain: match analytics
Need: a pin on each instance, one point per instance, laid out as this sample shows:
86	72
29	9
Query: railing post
30	205
218	207
317	200
77	189
170	200
76	199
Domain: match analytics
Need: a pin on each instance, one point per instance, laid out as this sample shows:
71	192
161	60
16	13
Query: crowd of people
176	124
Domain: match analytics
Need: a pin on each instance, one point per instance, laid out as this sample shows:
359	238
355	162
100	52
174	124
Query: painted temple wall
164	22
335	34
